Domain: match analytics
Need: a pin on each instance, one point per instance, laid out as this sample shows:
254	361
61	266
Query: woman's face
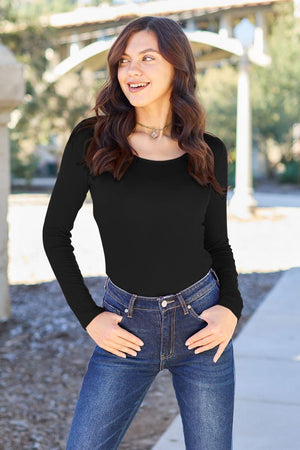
143	63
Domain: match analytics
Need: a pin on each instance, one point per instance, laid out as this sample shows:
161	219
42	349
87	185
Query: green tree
218	94
276	88
48	109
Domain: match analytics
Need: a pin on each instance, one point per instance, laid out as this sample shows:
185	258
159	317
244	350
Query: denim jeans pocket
111	304
204	301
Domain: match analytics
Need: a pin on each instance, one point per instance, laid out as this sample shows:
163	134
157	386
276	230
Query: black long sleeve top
161	231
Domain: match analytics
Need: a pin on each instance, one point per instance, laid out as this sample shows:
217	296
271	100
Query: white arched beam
94	55
228	45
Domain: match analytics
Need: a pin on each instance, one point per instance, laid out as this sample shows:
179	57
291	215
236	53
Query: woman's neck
154	117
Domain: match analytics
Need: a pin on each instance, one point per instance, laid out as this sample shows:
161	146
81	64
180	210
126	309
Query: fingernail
142	343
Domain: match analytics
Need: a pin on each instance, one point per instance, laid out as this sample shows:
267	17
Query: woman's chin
139	103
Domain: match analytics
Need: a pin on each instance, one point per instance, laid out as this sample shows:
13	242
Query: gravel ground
44	354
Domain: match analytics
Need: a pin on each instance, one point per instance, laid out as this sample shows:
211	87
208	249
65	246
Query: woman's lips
137	89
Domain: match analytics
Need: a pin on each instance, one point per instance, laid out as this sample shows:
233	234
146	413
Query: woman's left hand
221	324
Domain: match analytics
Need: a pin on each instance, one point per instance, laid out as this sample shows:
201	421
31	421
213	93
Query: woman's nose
134	69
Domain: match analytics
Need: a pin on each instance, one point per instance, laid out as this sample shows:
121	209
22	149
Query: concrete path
269	199
267	361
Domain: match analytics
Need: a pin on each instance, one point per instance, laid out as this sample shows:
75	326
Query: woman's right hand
107	334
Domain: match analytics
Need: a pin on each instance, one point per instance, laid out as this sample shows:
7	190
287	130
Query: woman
158	183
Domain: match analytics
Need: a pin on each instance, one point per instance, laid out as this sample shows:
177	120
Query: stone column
12	89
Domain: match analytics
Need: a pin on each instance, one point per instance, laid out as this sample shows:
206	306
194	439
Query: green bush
291	172
22	168
231	174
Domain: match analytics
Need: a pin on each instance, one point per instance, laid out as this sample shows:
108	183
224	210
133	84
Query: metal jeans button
164	303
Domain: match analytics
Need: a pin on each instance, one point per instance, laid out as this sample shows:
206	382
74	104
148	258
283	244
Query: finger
121	350
200	342
122	347
219	352
129	336
124	342
202	334
206	347
114	351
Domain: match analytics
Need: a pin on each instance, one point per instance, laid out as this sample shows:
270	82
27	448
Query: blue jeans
114	387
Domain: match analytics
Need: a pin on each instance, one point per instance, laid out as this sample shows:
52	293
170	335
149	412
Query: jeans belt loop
182	303
131	304
106	281
215	276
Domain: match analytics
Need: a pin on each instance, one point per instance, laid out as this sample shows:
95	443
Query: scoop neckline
160	161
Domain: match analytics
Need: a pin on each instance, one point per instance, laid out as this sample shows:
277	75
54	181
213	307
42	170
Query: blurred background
52	65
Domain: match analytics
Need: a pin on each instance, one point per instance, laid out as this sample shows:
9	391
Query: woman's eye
125	60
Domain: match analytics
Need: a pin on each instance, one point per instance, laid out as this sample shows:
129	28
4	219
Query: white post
242	201
75	44
225	26
12	90
260	33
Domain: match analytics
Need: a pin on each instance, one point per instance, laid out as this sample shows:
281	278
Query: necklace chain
154	133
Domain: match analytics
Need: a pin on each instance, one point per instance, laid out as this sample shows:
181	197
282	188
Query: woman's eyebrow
144	51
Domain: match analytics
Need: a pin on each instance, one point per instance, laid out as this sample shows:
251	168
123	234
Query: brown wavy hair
109	149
